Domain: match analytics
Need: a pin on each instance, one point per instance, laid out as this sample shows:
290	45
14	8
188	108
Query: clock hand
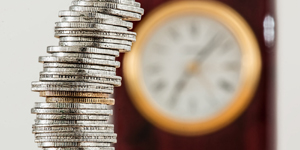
179	86
203	54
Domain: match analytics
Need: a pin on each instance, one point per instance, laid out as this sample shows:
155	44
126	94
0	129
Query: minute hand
203	54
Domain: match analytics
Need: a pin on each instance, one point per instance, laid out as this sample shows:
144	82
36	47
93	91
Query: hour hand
178	89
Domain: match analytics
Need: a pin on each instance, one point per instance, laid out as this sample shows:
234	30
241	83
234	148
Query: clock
194	68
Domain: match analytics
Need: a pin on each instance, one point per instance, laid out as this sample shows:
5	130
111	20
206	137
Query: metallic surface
80	75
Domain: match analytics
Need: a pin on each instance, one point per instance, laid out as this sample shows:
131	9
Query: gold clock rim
249	76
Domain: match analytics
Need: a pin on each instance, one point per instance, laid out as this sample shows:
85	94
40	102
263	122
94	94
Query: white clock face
191	67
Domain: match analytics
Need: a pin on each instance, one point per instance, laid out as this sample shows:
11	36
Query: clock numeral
154	69
194	29
213	102
232	66
159	86
192	105
227	46
159	48
174	34
220	37
226	85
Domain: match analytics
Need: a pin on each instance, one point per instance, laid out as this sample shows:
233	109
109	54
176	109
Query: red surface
253	130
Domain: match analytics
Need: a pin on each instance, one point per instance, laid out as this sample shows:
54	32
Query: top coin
110	5
126	15
125	2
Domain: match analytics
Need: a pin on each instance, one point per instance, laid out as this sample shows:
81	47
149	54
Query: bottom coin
81	148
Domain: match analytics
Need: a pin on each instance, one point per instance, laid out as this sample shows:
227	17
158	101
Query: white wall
288	104
25	34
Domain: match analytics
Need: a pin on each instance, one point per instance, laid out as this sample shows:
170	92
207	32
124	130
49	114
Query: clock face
191	67
194	67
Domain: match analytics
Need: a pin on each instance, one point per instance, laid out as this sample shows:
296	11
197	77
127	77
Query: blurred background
26	29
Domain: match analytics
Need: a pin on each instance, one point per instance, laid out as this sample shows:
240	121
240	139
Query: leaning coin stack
80	75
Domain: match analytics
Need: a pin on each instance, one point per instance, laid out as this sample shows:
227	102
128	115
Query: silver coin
73	49
72	134
75	126
71	111
70	105
101	128
99	40
34	131
96	26
72	144
76	77
84	55
72	94
72	86
80	77
129	16
62	139
76	66
87	32
109	5
102	73
88	100
106	21
66	122
101	18
75	136
81	148
82	71
91	29
98	45
108	139
78	60
106	0
72	117
125	2
68	13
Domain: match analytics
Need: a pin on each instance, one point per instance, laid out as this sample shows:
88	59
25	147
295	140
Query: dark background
253	130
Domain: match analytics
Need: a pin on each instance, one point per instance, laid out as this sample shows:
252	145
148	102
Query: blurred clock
201	75
194	67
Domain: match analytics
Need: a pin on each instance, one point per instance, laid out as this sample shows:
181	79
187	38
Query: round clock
194	68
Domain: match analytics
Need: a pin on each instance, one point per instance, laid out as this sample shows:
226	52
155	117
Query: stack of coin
80	75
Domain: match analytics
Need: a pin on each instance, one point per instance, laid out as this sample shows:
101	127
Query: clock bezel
250	73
